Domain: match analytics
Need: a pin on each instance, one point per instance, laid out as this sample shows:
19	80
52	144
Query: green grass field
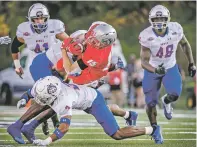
85	131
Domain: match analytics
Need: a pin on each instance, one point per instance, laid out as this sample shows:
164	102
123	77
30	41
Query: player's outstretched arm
188	52
57	134
61	36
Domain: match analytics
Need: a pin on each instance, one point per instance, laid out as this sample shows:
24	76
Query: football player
38	34
95	53
158	56
62	98
5	40
51	57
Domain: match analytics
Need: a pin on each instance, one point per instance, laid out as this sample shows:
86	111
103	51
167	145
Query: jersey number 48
168	51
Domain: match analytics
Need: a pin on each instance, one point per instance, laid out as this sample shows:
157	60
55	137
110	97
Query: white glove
5	40
40	142
21	103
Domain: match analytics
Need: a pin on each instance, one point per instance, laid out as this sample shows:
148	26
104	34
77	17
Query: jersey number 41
38	49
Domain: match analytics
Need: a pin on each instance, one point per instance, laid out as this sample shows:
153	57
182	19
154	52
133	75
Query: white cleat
168	110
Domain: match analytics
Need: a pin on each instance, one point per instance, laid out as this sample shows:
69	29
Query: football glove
72	46
5	40
160	70
192	69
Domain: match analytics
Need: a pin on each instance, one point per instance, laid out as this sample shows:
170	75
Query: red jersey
97	58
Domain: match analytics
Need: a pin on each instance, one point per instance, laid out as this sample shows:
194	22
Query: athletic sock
148	130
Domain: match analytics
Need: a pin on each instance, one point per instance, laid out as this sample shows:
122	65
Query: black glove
160	69
191	69
57	74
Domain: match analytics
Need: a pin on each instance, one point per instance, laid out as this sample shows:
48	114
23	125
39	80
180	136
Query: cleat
131	120
168	110
28	132
45	128
157	136
15	132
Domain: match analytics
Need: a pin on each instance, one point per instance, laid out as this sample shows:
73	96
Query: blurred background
129	18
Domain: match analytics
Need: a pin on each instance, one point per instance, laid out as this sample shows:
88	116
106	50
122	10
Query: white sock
148	130
126	115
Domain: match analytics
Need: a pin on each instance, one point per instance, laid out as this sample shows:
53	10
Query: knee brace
171	98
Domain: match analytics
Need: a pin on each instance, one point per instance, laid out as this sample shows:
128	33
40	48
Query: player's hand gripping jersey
38	43
163	49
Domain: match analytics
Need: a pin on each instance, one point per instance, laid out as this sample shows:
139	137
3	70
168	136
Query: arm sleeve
81	64
59	27
143	40
15	45
179	31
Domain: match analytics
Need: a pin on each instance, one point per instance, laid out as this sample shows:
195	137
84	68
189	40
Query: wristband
17	63
58	133
65	121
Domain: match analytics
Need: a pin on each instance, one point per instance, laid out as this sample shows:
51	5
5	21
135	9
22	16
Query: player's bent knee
172	97
151	104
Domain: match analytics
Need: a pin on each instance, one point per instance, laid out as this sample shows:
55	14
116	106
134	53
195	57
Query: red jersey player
94	52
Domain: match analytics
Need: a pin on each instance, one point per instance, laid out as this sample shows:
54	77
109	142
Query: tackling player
62	98
38	34
158	56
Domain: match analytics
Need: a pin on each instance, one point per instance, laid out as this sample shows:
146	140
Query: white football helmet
159	11
38	10
47	90
101	35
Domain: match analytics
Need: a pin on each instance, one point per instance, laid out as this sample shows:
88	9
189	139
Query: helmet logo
39	14
51	88
158	13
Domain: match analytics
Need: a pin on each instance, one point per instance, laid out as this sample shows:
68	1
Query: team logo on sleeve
51	88
26	34
150	39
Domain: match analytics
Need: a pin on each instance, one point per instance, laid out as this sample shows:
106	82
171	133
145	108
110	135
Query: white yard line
107	139
92	123
100	128
100	133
